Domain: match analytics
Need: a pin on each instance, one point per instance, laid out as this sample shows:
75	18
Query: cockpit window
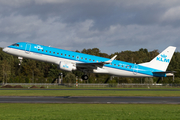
17	45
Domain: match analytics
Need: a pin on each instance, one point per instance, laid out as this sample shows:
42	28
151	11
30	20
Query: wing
90	66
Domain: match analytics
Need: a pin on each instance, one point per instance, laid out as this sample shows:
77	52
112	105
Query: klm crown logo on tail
162	58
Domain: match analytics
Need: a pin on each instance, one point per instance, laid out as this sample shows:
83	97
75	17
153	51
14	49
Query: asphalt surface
91	100
95	89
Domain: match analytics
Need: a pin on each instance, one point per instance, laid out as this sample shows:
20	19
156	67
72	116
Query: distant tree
6	71
69	78
36	71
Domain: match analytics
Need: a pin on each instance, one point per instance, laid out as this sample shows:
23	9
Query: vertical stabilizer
161	61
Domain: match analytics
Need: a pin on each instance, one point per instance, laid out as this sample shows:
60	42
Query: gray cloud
112	26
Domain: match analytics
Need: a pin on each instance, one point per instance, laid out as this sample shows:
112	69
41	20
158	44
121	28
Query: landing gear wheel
84	77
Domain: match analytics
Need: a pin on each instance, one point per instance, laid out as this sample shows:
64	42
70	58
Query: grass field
81	92
18	111
88	111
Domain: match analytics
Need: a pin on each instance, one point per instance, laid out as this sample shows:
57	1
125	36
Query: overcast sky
110	25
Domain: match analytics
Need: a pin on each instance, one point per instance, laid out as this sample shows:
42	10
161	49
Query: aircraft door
135	70
28	48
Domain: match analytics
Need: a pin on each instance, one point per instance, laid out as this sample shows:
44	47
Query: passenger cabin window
17	45
53	52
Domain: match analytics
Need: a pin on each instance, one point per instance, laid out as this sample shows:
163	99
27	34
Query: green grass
13	111
88	111
15	92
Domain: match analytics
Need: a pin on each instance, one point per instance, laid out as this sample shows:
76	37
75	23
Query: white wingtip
109	61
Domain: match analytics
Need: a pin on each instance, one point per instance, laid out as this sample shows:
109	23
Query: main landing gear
84	77
158	80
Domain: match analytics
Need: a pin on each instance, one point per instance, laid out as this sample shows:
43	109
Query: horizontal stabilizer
166	73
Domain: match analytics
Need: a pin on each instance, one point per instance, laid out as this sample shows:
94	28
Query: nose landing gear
20	60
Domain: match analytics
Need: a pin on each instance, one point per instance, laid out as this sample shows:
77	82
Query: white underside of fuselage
56	60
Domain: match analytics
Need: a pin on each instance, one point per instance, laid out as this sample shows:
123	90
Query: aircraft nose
6	49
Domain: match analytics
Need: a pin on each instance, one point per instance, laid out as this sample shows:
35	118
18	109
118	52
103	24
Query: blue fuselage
55	55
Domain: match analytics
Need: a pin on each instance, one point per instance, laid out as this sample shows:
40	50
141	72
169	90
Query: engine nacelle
67	66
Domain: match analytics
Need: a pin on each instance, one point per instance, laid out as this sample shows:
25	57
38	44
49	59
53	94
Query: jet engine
66	66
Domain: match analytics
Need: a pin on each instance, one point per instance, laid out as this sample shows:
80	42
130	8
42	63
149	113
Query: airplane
70	61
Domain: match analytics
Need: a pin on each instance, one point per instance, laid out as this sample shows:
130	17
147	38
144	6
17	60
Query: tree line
31	71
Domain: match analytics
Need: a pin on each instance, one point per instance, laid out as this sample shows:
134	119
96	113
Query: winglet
109	61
